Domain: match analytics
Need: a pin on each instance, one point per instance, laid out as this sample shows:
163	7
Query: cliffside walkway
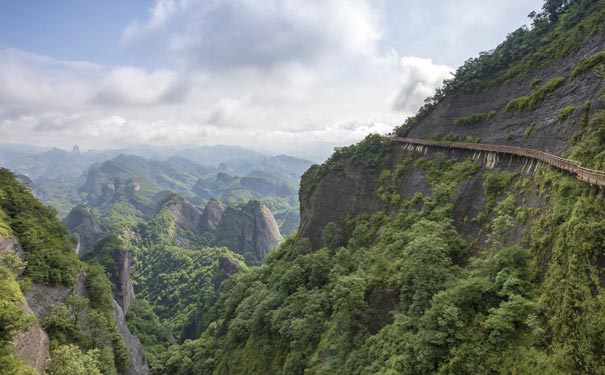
590	176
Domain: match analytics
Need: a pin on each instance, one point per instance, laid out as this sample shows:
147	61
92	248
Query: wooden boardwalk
590	176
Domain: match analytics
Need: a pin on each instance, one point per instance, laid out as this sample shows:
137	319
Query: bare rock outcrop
10	245
138	363
84	227
336	197
123	290
186	216
212	215
226	268
250	230
509	127
32	345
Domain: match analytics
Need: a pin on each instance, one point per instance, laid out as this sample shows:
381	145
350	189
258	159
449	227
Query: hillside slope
59	312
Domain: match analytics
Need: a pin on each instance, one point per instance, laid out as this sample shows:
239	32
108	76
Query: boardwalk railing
590	176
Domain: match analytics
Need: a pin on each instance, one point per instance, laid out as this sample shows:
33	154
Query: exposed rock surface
356	192
123	290
40	297
138	363
213	212
336	197
250	230
352	192
549	134
226	268
186	216
10	245
84	227
32	346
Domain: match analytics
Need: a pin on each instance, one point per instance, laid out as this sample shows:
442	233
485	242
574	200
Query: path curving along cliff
591	176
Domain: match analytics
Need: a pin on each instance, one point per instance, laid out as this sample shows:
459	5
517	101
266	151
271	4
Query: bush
474	119
566	112
587	64
535	83
70	360
534	99
530	129
100	289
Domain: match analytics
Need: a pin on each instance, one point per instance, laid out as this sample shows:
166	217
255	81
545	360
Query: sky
279	76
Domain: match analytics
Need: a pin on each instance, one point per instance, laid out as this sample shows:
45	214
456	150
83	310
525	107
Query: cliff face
32	345
137	361
213	212
336	197
84	227
357	187
186	216
350	190
250	230
549	133
123	291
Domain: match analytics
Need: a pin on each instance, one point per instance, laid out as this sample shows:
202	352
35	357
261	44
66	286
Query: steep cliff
186	216
137	362
550	132
84	226
31	345
249	230
213	212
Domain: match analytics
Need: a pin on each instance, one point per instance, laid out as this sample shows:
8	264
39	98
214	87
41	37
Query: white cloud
30	80
134	86
225	34
37	83
420	77
160	13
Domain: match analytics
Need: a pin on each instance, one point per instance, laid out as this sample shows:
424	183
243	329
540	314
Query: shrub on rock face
588	64
533	100
70	360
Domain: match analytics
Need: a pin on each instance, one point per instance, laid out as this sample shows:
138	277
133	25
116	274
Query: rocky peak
212	215
250	230
186	216
123	290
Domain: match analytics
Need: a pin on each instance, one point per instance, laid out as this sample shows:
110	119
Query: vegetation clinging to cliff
45	240
534	99
12	318
370	152
588	63
559	28
474	119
